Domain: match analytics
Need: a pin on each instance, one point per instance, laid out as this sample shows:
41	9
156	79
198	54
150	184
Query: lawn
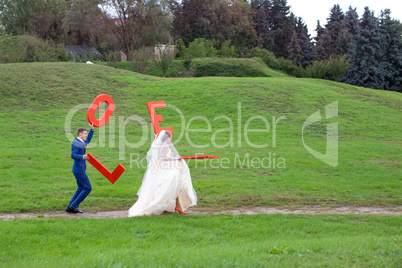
204	241
42	105
38	98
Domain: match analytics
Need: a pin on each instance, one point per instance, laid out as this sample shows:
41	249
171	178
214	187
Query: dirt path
199	210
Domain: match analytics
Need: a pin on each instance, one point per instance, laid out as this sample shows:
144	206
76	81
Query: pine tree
262	9
351	21
294	50
282	26
366	55
391	44
323	47
337	30
304	40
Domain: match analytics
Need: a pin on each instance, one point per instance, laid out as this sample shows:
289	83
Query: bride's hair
168	133
166	136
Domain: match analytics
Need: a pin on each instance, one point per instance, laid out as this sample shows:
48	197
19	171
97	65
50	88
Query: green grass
35	171
35	163
204	241
176	69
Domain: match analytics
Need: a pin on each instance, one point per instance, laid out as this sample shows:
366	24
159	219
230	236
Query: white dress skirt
166	179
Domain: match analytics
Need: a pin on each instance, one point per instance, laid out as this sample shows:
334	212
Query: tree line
370	47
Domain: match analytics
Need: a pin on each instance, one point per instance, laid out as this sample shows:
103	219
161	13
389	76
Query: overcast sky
313	10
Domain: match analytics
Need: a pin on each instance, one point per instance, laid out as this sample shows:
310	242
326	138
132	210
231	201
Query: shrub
27	48
318	69
140	58
166	57
200	48
267	56
290	68
112	58
227	69
337	66
227	51
332	69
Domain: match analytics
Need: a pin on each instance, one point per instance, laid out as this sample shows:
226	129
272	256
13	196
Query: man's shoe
75	210
69	209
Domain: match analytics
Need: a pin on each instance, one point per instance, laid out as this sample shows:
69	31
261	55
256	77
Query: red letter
108	113
112	177
156	118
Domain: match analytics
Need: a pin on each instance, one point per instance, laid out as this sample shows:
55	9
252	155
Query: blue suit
78	150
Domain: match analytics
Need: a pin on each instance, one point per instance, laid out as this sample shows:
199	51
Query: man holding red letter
78	150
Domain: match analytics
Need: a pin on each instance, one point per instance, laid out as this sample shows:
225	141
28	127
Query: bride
166	185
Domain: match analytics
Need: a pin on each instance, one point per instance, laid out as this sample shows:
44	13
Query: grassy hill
39	99
35	164
176	69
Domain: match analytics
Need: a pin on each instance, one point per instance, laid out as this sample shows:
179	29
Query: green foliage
112	58
288	67
214	20
42	18
227	51
226	69
164	57
268	57
332	69
86	23
141	23
200	48
318	69
26	48
140	58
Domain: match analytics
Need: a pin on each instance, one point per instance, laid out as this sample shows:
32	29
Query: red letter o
106	116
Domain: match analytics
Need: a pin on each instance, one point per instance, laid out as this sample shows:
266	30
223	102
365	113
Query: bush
166	56
267	56
226	69
332	69
337	66
140	58
290	68
227	51
318	69
280	64
26	48
198	48
112	58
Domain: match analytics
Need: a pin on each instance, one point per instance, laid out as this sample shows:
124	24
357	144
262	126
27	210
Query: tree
294	50
351	21
282	24
304	41
214	20
41	18
339	36
262	14
391	45
367	70
86	23
139	23
323	44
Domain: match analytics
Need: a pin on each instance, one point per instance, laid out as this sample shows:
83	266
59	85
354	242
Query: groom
78	150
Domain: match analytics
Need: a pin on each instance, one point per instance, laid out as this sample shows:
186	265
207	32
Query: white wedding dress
166	179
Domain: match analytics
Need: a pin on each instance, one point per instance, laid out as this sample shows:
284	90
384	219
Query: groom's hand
85	157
